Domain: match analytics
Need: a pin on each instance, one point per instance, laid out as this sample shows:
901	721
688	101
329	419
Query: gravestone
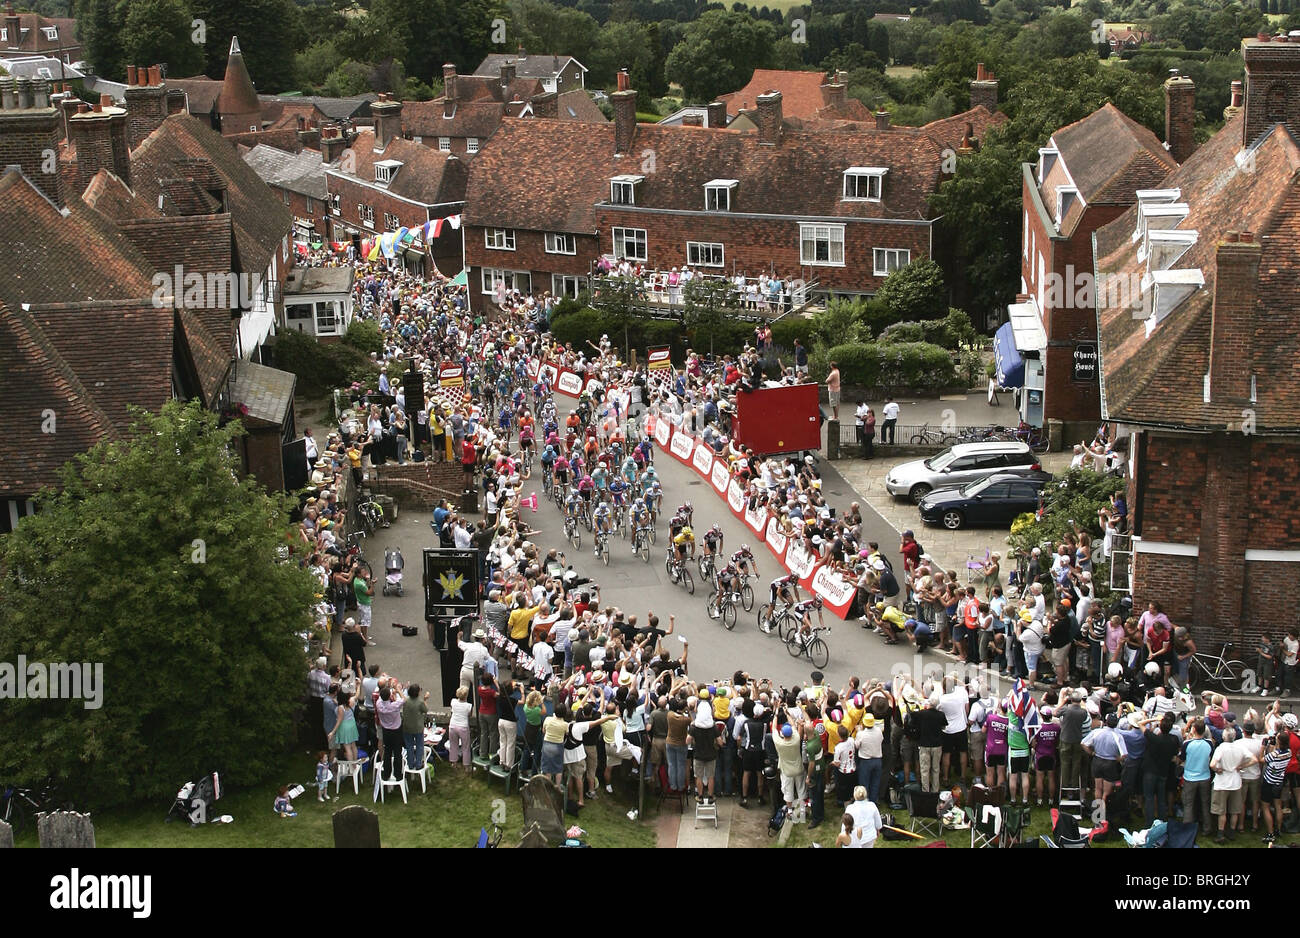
533	837
544	805
355	826
58	829
6	835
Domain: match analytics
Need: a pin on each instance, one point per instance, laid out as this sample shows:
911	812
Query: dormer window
1047	157
51	33
1158	217
1163	291
1066	196
385	170
1147	197
717	195
622	189
864	183
1166	248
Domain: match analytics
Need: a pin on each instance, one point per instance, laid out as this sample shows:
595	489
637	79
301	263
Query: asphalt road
639	588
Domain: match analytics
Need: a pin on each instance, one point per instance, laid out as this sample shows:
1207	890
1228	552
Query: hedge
896	366
323	367
952	331
577	326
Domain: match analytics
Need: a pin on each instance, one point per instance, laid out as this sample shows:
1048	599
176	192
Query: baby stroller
393	564
193	799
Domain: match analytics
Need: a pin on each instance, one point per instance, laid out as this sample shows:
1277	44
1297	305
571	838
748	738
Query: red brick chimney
624	118
624	82
449	81
1272	86
30	135
769	119
507	77
1180	117
388	119
717	114
332	143
14	24
984	89
98	138
1232	324
546	104
692	120
1236	101
145	101
882	120
833	94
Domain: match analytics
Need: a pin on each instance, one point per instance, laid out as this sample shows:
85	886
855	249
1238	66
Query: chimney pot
1231	237
105	100
1248	237
83	107
155	75
882	120
130	74
624	82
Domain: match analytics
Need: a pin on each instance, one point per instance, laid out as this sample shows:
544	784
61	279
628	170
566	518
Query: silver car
957	465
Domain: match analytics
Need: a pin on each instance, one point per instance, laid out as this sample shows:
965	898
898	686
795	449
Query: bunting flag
454	221
404	235
530	501
373	253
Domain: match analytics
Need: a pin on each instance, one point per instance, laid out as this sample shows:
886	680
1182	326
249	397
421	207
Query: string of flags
522	658
388	243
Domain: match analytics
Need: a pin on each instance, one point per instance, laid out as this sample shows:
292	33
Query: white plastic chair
354	769
382	784
420	771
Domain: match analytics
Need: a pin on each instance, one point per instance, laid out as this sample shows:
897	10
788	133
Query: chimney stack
449	81
1180	117
332	143
1232	323
24	94
14	24
145	102
692	120
507	77
882	120
984	89
1234	107
1272	86
388	119
769	119
624	118
98	138
29	135
546	105
833	94
717	114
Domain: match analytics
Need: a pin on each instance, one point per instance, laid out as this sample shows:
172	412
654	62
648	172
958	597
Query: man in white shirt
953	705
1226	795
890	413
866	817
474	653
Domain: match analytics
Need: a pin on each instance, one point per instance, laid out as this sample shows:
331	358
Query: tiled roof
266	392
526	66
202	92
35	379
1110	156
801	92
210	357
260	219
333	108
426	175
297	172
948	132
49	258
237	94
40	66
577	105
109	196
33	38
471	118
1160	379
540	174
283	138
480	88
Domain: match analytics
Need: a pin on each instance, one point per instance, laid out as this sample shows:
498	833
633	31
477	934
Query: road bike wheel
604	553
729	615
764	615
919	439
747	597
792	644
702	563
1230	675
645	550
819	653
577	538
690	580
786	625
653	537
668	565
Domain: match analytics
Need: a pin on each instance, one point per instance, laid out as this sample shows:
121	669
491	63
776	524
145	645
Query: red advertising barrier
702	459
834	589
681	447
569	383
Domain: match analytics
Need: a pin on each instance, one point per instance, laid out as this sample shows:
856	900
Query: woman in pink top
1114	638
995	748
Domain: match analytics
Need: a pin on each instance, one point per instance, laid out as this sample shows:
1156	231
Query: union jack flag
1021	703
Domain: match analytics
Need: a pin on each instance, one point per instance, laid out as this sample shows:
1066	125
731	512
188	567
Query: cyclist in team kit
713	543
804	611
683	541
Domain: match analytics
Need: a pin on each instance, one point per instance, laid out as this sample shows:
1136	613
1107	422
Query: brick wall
146	109
529	254
91	135
263	458
418	485
1172	482
26	139
459	145
350	193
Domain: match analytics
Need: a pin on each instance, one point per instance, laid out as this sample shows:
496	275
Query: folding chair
923	808
511	775
1015	821
986	826
666	792
420	771
383	784
980	796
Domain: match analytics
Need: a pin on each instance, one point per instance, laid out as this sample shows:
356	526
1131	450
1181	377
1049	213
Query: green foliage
902	332
322	367
99	24
364	335
888	367
159	31
1071	501
916	291
157	561
786	330
269	31
315	64
350	78
841	322
950	332
718	53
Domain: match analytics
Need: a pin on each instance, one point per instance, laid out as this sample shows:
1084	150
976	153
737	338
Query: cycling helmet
744	548
1152	669
1289	719
1116	671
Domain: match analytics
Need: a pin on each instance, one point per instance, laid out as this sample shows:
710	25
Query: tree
268	32
314	64
159	563
99	23
160	31
915	292
704	306
719	53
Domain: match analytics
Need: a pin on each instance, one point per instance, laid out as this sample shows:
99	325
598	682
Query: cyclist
618	491
548	460
585	487
573	422
504	422
571	506
640	518
675	525
713	543
526	441
804	611
630	470
600	480
561	471
745	561
687	511
683	540
786	589
649	477
651	497
726	580
601	523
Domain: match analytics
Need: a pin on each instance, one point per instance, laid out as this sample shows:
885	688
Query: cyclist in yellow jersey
685	539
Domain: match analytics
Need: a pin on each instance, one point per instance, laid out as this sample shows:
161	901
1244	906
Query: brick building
558	73
1087	175
379	182
1199	370
840	210
472	107
298	180
33	34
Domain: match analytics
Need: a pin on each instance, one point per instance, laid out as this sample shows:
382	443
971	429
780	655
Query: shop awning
1022	333
1011	367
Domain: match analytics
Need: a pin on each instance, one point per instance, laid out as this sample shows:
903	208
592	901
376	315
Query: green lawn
449	814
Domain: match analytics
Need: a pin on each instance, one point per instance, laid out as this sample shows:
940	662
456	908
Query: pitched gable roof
801	92
578	105
470	118
426	175
1110	156
1159	379
303	172
202	93
527	66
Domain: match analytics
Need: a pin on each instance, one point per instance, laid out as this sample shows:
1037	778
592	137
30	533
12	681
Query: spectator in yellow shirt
521	619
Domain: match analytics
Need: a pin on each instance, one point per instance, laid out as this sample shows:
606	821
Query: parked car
996	500
959	464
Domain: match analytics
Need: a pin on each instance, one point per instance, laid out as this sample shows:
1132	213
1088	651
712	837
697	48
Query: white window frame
880	259
831	234
875	183
560	283
4	34
444	144
695	256
624	184
328	324
471	144
717	195
385	170
558	242
51	33
391	222
499	239
490	276
336	206
637	236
